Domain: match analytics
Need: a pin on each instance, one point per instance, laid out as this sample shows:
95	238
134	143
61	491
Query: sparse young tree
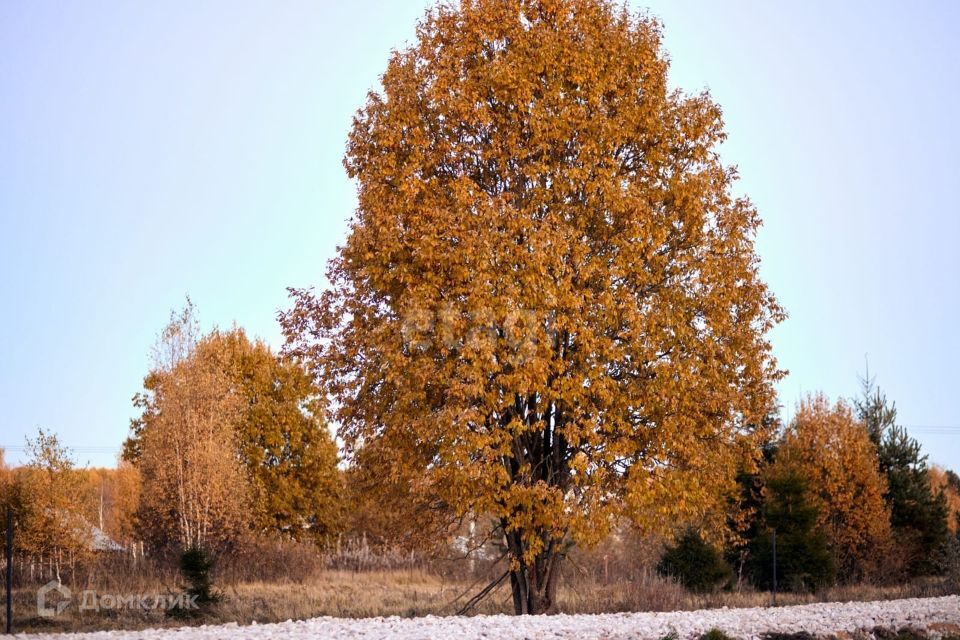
826	444
51	527
176	342
548	307
195	489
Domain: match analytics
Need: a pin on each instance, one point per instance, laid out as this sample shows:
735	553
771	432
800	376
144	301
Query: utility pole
774	567
9	556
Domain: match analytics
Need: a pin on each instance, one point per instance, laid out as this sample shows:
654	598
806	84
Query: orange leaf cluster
548	307
828	446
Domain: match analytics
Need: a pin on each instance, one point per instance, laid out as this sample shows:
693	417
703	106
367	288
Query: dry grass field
405	593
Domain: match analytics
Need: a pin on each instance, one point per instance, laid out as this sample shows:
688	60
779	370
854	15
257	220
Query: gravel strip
935	615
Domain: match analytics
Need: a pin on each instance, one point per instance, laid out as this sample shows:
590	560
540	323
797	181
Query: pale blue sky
149	150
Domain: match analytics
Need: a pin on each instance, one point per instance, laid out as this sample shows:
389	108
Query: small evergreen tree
877	415
698	566
196	567
918	514
746	511
804	562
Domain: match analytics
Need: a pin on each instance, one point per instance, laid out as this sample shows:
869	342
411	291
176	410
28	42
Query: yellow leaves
947	481
826	444
547	306
48	493
231	440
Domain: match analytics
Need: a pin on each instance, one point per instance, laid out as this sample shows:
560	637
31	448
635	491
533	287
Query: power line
930	428
80	449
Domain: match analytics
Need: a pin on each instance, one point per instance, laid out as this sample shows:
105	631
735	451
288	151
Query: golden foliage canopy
230	441
47	495
290	457
195	490
946	481
827	445
548	307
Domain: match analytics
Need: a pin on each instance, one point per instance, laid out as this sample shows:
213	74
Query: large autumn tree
548	306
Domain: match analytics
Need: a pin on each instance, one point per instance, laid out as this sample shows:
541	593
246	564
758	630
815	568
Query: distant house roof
100	541
93	537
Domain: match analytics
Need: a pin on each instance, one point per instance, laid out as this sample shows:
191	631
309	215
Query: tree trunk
539	455
534	584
